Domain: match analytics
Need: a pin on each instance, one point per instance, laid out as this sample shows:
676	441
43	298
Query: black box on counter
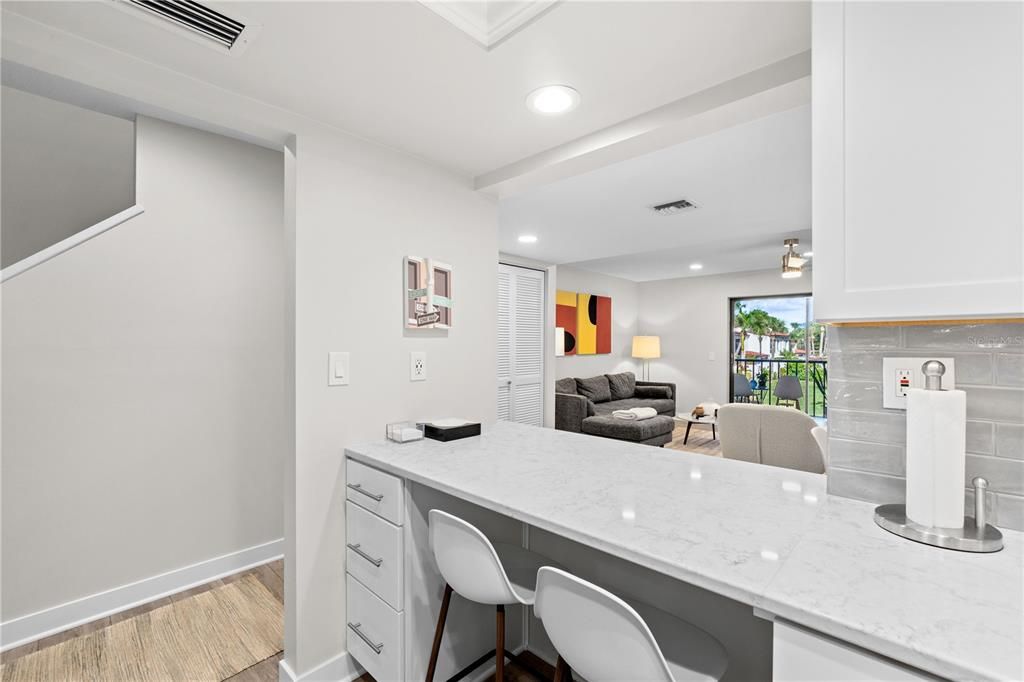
447	433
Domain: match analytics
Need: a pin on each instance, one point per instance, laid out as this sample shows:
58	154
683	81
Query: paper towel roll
936	447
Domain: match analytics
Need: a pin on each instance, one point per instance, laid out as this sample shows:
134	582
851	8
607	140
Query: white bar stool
496	574
605	639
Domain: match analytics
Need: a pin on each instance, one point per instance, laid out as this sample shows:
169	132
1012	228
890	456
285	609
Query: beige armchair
769	434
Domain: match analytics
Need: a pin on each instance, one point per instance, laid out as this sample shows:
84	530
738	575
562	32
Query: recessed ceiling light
808	254
696	266
527	239
553	99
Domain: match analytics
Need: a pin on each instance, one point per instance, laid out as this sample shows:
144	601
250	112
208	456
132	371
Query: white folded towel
636	413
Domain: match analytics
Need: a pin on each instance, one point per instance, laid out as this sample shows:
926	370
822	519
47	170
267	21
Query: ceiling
751	184
399	74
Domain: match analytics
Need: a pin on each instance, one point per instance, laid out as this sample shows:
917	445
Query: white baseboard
340	668
33	626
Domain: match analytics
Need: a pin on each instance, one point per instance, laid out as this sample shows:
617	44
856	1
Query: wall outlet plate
337	368
417	366
901	374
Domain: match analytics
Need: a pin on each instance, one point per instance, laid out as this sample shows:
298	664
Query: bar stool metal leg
439	632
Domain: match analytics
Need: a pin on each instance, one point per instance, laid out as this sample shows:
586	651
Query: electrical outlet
899	375
902	382
417	366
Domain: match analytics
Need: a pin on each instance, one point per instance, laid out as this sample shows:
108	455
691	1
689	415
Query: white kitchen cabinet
800	655
918	160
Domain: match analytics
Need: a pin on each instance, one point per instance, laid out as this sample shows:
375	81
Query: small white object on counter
448	422
404	432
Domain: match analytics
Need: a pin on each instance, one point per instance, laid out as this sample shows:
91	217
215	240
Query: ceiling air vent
199	21
673	207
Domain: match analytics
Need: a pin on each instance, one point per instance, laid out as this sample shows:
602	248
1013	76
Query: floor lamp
646	348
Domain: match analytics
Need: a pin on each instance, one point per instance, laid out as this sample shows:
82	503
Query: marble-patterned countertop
769	537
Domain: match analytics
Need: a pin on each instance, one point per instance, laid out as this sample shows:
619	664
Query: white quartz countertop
762	535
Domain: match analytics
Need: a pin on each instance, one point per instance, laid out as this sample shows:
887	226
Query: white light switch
417	366
337	369
899	375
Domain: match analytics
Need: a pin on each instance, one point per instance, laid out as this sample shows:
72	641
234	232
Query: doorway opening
778	353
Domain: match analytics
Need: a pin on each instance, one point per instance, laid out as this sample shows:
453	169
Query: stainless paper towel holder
975	536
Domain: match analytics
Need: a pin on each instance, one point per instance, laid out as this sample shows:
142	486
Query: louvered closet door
520	345
504	344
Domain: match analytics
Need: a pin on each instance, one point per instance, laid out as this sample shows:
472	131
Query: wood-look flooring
700	440
270	575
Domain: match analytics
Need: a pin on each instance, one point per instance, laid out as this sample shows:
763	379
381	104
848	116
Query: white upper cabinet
918	160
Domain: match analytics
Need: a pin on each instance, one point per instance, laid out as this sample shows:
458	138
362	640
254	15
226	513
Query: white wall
359	209
64	168
143	403
625	309
691	315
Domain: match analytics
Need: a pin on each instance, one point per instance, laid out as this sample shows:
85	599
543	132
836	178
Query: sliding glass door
778	353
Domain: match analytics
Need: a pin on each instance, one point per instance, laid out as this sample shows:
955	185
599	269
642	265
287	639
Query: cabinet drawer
374	556
374	490
374	632
800	655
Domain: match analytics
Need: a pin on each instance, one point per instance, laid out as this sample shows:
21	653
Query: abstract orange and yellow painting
587	321
565	317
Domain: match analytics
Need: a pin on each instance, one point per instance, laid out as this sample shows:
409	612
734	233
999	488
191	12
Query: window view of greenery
774	338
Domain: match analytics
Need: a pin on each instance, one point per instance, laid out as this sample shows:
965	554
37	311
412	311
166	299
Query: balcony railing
764	377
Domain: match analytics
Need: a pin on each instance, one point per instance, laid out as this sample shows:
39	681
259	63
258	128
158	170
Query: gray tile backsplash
1010	369
867	443
1010	441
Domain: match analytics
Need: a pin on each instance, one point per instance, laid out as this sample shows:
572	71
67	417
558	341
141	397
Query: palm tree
760	324
741	320
797	335
775	328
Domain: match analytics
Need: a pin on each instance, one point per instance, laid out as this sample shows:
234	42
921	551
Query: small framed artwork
429	294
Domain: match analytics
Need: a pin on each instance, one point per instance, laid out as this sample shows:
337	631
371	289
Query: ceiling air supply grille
673	207
198	19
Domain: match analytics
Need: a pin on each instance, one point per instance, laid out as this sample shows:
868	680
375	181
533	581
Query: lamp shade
646	347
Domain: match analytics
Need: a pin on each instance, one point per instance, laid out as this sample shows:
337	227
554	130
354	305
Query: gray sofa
586	405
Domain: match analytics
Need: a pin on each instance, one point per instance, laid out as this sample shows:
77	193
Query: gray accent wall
64	169
867	443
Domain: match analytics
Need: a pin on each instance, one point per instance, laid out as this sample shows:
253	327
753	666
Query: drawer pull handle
377	648
355	548
358	487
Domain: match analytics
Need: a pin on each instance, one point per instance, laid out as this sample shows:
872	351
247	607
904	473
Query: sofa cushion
622	429
622	385
662	405
567	385
653	392
595	388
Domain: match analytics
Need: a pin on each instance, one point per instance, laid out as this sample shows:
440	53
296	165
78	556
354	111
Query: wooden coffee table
691	420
